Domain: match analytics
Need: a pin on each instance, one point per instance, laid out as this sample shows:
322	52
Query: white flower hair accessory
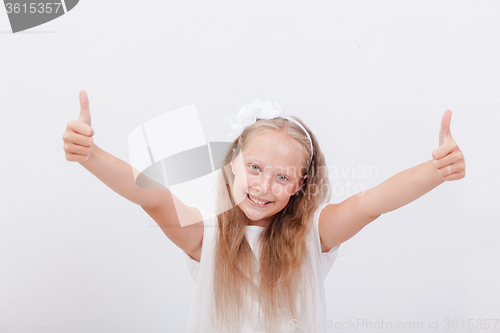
249	114
260	109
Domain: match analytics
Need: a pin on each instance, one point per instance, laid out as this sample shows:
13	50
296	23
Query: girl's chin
252	215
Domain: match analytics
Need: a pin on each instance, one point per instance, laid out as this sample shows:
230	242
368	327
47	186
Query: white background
372	79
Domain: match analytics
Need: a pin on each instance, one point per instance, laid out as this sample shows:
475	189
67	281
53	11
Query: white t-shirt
202	272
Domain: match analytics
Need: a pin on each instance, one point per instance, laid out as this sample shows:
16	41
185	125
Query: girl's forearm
402	188
119	176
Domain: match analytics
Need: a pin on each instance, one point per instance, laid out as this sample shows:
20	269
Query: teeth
257	201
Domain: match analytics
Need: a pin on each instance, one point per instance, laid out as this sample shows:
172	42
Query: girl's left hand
448	158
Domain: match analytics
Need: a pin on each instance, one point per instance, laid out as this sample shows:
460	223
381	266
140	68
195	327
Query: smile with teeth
257	201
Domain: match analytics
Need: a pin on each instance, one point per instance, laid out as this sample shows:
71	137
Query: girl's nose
265	184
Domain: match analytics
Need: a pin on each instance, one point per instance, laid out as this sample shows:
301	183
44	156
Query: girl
259	265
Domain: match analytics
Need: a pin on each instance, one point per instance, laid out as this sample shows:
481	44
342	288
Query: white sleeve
209	225
194	265
327	258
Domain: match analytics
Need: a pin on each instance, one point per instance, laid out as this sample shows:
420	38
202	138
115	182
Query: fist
78	136
448	158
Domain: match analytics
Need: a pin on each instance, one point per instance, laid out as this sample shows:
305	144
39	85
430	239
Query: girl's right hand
78	136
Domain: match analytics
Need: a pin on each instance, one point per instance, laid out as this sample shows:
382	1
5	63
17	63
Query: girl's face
269	172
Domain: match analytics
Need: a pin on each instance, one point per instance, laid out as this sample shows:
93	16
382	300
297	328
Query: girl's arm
112	171
401	189
157	200
339	222
118	176
182	224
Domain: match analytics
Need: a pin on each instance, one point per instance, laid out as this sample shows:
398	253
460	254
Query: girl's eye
257	168
284	178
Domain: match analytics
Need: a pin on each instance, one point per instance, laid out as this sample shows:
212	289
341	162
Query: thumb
444	132
84	108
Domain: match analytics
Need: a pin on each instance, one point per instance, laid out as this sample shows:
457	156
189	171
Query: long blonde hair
283	253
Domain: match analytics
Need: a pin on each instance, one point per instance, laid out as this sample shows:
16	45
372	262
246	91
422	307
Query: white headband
259	109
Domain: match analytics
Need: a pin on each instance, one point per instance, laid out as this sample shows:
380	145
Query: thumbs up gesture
78	136
448	158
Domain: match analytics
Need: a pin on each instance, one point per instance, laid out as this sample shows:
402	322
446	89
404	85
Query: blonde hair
278	279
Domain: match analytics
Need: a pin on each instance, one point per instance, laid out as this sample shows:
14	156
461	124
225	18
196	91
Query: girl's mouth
256	202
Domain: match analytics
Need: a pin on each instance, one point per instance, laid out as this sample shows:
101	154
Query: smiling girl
259	266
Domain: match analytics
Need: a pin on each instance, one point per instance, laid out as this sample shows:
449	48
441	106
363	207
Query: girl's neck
260	223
